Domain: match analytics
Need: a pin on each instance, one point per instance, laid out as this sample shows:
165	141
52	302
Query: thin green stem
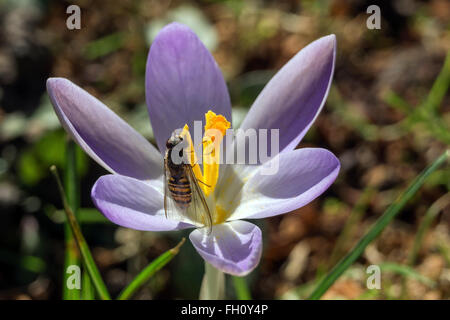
427	220
241	288
376	229
407	272
87	289
348	230
86	255
439	88
149	271
71	253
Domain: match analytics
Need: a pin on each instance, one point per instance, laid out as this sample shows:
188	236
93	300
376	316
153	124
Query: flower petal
294	97
183	82
102	134
302	176
132	203
234	247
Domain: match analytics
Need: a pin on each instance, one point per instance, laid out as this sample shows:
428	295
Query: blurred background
387	117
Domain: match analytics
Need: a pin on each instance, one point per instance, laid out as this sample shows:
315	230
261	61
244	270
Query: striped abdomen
180	190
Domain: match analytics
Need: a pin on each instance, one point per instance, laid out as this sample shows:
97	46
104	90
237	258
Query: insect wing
198	210
171	209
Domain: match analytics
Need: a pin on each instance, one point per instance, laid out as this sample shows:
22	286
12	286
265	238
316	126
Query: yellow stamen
215	128
191	152
217	122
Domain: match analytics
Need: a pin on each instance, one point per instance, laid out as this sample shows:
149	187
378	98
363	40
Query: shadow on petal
233	247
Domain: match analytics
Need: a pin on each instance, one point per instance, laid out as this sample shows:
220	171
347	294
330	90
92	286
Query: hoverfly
182	193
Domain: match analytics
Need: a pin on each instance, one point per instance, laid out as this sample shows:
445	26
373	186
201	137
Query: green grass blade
84	216
87	289
149	271
376	229
241	288
397	102
72	194
427	220
425	224
347	232
439	88
26	262
103	46
86	255
407	272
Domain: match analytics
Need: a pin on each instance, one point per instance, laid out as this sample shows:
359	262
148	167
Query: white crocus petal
103	135
233	247
230	186
303	175
134	204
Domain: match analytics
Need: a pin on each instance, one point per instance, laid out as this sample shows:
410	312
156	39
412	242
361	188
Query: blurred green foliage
35	160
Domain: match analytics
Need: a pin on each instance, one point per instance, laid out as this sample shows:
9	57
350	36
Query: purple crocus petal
102	134
132	203
182	82
302	176
233	247
294	97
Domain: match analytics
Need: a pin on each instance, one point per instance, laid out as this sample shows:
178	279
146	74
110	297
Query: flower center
215	128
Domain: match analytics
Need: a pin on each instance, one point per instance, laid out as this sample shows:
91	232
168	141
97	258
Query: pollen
221	215
217	122
215	129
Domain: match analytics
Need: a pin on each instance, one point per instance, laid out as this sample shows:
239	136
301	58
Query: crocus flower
183	83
